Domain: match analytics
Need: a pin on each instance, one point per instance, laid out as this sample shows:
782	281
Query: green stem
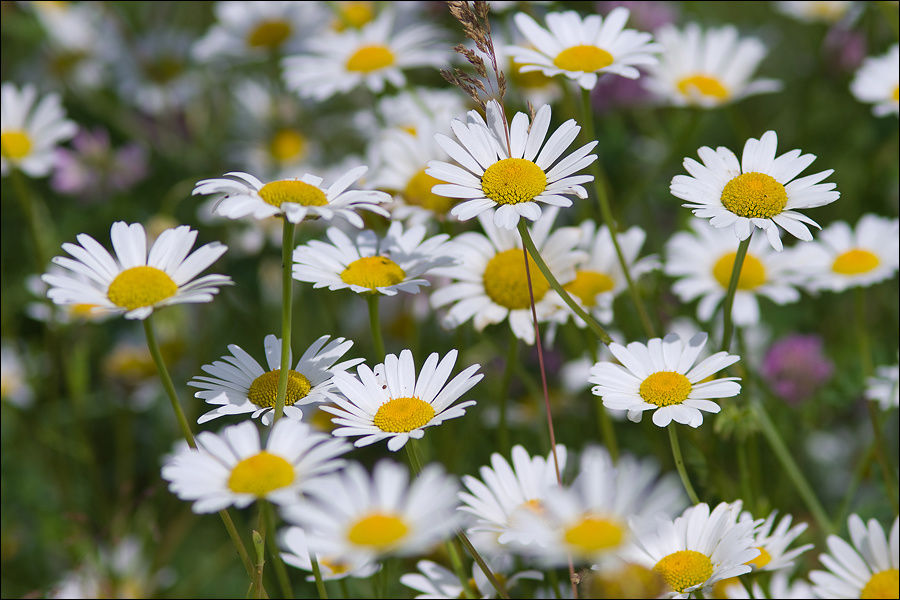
259	542
728	328
34	213
284	581
342	585
287	247
861	467
375	323
496	583
236	540
511	359
607	430
679	464
548	275
317	575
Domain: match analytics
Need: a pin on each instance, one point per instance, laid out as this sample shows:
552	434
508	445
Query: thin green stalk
342	586
32	211
317	575
236	540
607	430
284	581
259	546
375	324
496	583
287	247
679	464
861	467
512	356
728	328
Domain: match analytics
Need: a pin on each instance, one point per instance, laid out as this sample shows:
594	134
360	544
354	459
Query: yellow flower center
684	569
403	414
883	584
513	181
895	95
378	530
269	34
15	144
665	388
291	190
753	272
704	85
260	474
334	565
628	581
593	534
373	272
353	14
370	58
140	286
418	192
286	145
530	80
82	311
855	262
762	560
754	195
264	389
506	284
534	505
587	58
720	588
588	284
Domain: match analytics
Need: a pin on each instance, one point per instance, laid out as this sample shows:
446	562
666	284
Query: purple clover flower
796	367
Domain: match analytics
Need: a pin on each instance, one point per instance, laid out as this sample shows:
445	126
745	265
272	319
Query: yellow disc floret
260	474
15	144
684	569
373	272
140	286
292	190
762	559
855	262
513	181
593	534
418	192
665	388
754	195
269	34
883	584
895	95
704	85
588	284
403	414
353	14
586	58
286	145
505	281
753	272
370	58
264	389
378	530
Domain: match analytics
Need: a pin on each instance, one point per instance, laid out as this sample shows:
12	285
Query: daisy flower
707	68
14	386
371	517
239	385
661	376
581	47
698	548
825	11
506	168
137	281
760	191
391	403
877	82
490	283
779	587
843	257
294	199
884	387
294	541
371	56
868	569
232	469
435	581
420	112
396	263
773	545
702	261
30	130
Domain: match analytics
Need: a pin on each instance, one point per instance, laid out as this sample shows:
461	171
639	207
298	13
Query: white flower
877	82
506	170
294	541
14	387
661	376
870	570
760	191
435	581
885	387
707	68
420	112
702	260
773	545
391	403
239	385
396	263
232	469
581	47
80	47
30	130
826	11
779	587
137	281
490	283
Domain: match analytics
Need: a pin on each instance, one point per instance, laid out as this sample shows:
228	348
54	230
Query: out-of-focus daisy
661	376
884	387
825	11
14	387
490	283
371	56
420	112
239	385
396	263
877	82
294	541
46	312
233	469
707	68
760	191
435	581
155	72
773	545
243	194
30	130
137	281
843	257
870	570
779	587
371	517
698	548
391	403
581	47
703	260
508	169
